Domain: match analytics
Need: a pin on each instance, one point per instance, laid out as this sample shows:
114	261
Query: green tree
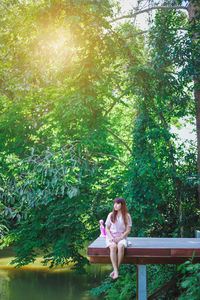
86	112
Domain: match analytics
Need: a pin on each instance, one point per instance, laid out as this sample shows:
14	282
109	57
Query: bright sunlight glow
55	48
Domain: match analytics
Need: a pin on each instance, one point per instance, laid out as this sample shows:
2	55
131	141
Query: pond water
37	283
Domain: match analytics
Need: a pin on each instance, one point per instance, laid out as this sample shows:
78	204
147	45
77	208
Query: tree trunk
194	17
197	100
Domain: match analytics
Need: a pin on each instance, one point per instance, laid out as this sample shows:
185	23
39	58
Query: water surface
38	283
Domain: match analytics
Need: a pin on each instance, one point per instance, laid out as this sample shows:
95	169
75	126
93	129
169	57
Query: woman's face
117	206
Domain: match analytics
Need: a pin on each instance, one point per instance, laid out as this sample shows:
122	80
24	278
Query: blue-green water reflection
43	285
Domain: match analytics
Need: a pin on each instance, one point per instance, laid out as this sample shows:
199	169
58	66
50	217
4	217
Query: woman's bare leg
120	253
113	257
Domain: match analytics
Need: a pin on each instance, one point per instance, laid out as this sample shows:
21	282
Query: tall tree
192	69
194	30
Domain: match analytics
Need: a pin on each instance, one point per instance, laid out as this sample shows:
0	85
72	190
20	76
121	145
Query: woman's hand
112	239
116	240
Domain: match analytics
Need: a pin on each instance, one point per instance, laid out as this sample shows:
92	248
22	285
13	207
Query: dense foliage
87	106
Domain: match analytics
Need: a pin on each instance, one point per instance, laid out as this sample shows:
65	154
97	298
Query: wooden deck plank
149	250
185	252
142	260
154	243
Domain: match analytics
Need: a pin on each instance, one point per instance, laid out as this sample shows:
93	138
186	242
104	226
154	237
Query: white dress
117	229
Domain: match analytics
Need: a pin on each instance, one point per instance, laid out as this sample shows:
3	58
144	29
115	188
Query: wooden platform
149	251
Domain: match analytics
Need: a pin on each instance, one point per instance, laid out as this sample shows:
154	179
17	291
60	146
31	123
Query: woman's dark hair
124	210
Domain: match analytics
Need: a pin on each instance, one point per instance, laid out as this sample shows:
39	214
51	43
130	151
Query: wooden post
95	270
141	282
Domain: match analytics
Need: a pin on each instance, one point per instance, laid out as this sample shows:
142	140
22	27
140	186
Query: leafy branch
133	15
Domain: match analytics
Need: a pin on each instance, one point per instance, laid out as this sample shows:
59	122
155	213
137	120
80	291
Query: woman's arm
124	235
108	233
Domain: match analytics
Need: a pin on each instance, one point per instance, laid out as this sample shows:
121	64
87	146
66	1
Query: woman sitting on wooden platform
118	226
